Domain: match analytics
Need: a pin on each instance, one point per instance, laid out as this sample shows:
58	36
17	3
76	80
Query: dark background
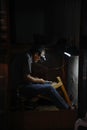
49	20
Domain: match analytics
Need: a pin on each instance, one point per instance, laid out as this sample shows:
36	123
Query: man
30	86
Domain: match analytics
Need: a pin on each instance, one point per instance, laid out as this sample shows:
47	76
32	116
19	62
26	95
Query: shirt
20	66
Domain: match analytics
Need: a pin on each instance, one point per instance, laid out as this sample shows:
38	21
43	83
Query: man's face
37	57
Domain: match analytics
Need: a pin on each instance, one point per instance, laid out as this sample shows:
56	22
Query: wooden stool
61	85
22	102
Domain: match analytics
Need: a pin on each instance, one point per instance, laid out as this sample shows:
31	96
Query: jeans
32	89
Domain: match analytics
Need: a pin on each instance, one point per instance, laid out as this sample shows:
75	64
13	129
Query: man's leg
57	98
47	89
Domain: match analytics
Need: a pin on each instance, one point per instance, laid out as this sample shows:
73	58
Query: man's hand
37	80
42	81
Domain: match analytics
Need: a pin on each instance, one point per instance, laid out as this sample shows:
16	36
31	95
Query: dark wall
83	25
53	19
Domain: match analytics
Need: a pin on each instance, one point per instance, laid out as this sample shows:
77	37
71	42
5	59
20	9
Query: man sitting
30	86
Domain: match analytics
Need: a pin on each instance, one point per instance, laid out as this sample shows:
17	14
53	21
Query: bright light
44	57
67	54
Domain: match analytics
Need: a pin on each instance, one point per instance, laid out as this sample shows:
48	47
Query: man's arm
30	78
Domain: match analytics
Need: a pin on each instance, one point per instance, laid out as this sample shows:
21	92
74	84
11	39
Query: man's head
38	53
